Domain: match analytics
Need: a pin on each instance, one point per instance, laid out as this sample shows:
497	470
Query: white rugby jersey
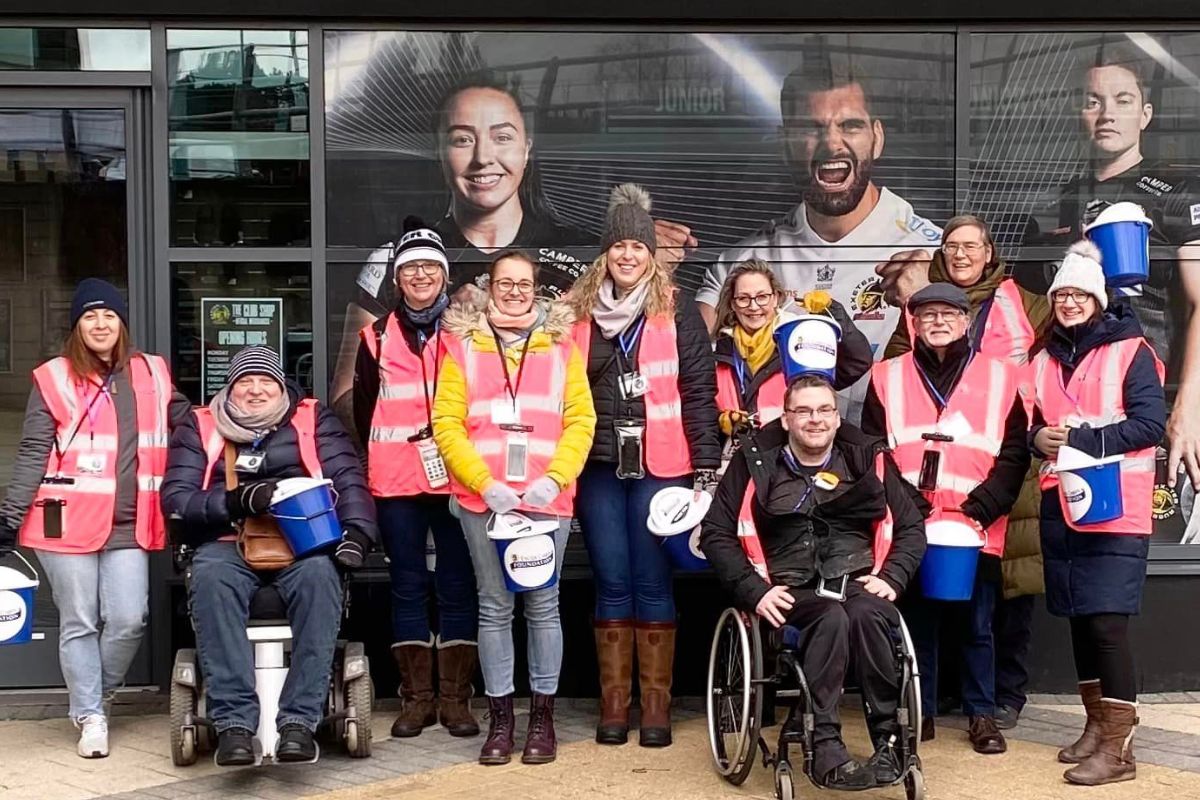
804	261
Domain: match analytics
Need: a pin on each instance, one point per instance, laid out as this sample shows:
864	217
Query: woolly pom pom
629	193
414	223
1087	249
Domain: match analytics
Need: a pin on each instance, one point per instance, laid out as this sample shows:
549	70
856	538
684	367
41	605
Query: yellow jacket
450	406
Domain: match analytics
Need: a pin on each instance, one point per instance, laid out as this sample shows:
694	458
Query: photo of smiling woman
84	496
485	147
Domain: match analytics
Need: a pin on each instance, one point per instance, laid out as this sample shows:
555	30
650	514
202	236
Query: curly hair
660	300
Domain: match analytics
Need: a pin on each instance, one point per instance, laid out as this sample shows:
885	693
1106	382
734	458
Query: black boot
235	747
295	744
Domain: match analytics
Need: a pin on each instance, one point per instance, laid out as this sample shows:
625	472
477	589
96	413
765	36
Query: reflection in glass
88	49
238	125
244	304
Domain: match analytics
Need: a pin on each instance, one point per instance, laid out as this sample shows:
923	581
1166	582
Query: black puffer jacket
835	538
203	514
697	389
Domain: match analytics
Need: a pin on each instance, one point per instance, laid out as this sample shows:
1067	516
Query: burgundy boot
499	745
541	745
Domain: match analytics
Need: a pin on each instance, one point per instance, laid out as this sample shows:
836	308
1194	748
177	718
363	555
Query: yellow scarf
756	348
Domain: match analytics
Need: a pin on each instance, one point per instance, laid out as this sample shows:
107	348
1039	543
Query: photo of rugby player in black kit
1114	112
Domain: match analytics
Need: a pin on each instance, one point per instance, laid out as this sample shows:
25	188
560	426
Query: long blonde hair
660	299
726	318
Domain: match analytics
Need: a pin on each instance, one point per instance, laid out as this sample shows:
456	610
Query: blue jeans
221	587
924	617
632	571
403	522
102	601
496	605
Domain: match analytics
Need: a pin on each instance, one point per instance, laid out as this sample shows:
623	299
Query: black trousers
839	637
1102	652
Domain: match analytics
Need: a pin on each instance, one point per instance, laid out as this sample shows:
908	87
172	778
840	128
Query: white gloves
541	492
500	497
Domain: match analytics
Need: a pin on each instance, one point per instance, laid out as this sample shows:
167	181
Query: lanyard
1074	398
808	489
87	412
509	386
626	346
739	370
437	348
941	400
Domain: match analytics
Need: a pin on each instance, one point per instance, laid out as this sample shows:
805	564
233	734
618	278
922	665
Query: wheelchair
347	705
739	693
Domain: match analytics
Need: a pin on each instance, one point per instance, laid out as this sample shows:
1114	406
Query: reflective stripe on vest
983	397
767	399
1095	395
752	544
1009	335
304	421
667	452
394	467
89	502
541	399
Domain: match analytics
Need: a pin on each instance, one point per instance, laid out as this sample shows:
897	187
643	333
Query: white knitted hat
1081	270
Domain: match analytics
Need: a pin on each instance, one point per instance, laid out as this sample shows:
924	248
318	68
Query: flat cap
946	293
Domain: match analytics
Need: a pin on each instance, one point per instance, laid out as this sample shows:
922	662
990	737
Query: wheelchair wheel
785	787
735	695
914	785
184	747
360	696
911	702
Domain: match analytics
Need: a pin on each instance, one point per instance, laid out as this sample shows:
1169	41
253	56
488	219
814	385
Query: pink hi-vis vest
541	397
403	408
667	451
768	398
304	420
89	460
1095	395
752	545
974	416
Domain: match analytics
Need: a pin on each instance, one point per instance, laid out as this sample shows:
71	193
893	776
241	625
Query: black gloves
352	552
8	538
250	499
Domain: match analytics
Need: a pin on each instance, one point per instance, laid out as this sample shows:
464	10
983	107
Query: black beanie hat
628	217
92	293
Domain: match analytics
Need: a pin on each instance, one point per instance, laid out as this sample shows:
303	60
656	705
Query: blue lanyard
792	462
739	369
942	401
627	346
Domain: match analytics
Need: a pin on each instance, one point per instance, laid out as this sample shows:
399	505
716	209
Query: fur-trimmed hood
468	318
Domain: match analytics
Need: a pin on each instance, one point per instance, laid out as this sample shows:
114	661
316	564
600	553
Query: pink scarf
513	327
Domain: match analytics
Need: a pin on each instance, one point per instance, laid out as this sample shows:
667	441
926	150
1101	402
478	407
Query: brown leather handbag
260	541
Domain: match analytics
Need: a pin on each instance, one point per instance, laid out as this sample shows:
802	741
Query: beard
836	204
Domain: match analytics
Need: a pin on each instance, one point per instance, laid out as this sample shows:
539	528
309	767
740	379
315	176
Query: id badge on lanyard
250	460
631	383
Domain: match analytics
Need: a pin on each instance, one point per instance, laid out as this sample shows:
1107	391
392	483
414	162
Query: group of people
482	401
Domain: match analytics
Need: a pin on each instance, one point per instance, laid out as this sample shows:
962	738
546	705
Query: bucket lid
515	525
13	579
1071	458
290	487
796	319
1120	212
676	509
952	533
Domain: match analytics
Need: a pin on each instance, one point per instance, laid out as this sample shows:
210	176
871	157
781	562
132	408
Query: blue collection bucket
17	592
1090	487
951	559
527	554
304	509
683	550
808	345
1122	232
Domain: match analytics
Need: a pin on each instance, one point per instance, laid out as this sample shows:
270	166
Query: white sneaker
93	736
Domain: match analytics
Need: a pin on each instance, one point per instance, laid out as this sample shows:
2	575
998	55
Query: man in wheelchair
839	538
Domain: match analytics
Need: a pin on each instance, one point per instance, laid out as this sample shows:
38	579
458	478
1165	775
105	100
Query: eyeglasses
970	248
1061	297
747	300
428	267
929	317
506	285
824	412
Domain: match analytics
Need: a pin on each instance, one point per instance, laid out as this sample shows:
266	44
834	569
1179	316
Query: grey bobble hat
628	217
256	360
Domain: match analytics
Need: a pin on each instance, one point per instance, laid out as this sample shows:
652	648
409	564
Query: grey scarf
241	428
614	314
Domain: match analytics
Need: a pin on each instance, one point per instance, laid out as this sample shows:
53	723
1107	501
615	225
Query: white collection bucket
526	550
1090	487
17	592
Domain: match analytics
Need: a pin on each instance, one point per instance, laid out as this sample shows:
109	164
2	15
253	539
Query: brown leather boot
656	661
498	747
541	745
1085	745
614	654
456	668
417	712
1113	759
